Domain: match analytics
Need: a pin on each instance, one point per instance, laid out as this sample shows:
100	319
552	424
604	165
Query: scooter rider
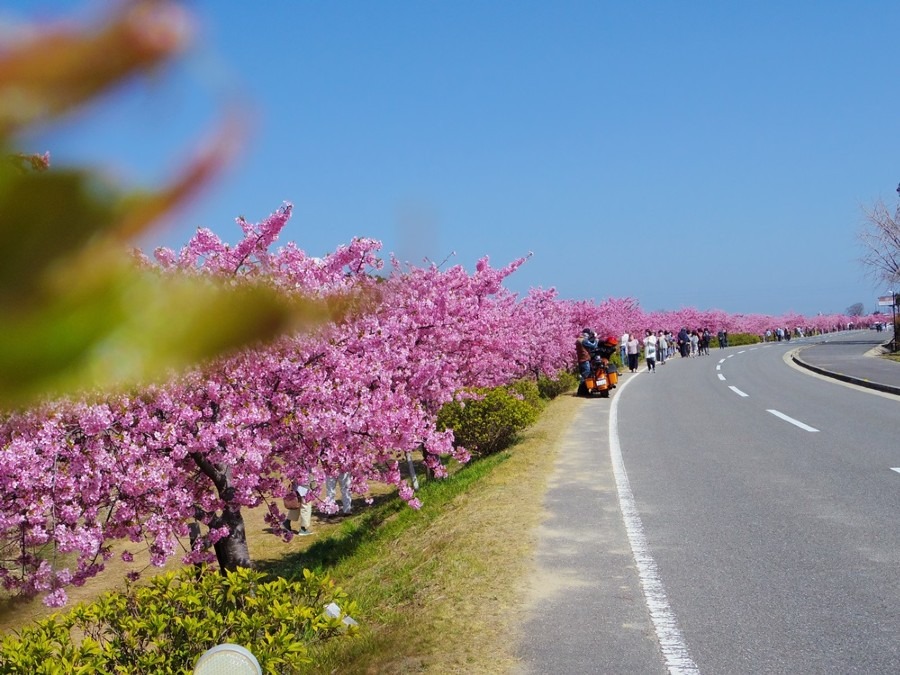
585	345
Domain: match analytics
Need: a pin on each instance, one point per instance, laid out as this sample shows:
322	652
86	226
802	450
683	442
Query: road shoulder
584	609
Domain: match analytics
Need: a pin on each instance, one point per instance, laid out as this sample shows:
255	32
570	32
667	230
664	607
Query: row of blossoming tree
356	394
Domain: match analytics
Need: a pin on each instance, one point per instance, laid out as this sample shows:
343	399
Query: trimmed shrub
551	388
489	422
166	625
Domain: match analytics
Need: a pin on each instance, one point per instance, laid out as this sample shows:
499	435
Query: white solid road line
738	391
675	651
796	423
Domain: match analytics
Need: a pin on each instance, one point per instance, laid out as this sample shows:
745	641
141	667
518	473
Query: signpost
893	301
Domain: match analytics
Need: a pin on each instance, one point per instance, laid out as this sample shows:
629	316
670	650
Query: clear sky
707	154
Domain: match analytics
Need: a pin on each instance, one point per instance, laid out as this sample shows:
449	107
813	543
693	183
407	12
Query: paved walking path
587	612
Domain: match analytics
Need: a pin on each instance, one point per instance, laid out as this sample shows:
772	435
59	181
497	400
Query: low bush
549	388
167	624
489	422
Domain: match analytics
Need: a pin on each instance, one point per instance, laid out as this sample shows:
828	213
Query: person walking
650	351
623	349
662	347
634	350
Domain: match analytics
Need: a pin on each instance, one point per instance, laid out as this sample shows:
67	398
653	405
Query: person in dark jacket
684	342
585	346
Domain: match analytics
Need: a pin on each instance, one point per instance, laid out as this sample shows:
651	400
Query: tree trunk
232	551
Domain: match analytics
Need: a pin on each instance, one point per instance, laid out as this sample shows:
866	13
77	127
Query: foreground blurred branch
77	312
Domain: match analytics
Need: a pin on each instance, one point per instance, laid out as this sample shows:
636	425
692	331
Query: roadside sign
889	300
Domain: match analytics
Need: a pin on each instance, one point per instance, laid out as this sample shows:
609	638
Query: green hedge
167	624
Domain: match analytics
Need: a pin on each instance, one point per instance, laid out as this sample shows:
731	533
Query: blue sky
686	154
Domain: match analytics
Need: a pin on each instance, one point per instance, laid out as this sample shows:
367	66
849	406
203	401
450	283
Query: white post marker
227	659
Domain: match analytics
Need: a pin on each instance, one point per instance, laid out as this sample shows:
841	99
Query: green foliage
489	423
527	390
166	625
736	340
551	388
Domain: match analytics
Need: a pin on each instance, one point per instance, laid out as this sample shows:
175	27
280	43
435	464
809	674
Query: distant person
721	337
331	484
634	350
684	342
623	349
650	351
298	503
662	347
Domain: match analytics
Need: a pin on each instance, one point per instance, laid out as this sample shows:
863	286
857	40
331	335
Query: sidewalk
852	357
586	611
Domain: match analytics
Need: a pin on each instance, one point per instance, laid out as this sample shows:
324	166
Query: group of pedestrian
658	346
655	346
696	342
780	334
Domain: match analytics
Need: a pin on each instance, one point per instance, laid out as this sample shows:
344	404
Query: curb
886	388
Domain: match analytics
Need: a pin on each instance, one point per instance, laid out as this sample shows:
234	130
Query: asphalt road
761	500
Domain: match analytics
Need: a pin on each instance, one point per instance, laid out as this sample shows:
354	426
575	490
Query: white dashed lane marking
796	423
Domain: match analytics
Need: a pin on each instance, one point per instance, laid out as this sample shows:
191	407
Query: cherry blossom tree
355	395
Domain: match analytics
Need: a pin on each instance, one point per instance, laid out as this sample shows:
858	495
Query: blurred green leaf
43	218
133	326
